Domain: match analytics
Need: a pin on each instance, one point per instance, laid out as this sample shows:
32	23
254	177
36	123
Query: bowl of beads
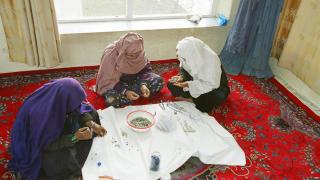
140	121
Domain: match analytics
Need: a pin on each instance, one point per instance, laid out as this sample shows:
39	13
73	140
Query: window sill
115	26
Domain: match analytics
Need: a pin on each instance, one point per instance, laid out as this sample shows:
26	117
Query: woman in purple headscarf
125	74
52	134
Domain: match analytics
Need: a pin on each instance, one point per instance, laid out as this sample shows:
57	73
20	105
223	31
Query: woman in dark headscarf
125	73
45	135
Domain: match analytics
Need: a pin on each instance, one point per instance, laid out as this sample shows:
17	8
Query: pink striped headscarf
123	56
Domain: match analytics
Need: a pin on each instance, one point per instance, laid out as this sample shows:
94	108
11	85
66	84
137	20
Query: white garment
202	63
126	154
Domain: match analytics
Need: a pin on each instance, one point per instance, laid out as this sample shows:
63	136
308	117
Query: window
108	10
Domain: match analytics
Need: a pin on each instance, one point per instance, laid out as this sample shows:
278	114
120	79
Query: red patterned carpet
278	134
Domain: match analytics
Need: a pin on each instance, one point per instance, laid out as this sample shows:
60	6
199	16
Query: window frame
130	17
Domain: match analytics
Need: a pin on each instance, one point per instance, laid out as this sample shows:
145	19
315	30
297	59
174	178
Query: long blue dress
249	42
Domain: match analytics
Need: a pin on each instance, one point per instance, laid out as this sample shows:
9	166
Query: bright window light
113	10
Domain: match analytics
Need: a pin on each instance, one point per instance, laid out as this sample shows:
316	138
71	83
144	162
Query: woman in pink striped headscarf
125	74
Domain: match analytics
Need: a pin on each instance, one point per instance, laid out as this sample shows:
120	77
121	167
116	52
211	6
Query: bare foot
183	99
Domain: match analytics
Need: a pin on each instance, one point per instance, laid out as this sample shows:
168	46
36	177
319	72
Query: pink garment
123	56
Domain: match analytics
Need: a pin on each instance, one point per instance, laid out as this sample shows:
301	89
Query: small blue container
222	20
155	161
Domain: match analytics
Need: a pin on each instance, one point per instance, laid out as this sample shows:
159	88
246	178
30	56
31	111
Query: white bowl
140	114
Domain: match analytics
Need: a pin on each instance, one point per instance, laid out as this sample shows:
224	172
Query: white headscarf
202	63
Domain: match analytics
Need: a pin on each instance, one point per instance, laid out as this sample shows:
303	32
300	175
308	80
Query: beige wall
86	49
301	53
159	44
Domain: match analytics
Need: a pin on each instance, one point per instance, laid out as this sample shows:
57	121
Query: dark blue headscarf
40	121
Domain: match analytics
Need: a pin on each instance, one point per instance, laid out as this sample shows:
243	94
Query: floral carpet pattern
281	139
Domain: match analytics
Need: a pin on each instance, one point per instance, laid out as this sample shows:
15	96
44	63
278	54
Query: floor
279	139
285	77
296	86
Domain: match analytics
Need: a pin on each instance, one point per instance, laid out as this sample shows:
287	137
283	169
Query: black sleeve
65	139
84	118
89	116
61	142
185	75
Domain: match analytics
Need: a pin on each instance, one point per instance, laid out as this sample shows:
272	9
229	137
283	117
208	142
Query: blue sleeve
120	87
145	74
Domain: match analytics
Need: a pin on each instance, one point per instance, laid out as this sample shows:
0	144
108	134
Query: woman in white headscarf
201	79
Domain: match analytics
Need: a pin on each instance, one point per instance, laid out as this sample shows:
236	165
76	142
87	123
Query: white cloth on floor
126	154
165	123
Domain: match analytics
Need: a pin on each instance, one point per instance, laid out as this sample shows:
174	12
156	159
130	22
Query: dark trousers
65	163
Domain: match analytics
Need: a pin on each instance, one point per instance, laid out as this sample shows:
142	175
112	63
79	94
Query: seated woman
125	73
202	79
52	134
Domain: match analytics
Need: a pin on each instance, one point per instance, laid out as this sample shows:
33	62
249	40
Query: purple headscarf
40	121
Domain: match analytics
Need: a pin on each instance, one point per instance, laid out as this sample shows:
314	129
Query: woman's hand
176	79
145	91
84	133
99	130
132	95
182	84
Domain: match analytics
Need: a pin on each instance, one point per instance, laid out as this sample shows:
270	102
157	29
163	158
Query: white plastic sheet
126	154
